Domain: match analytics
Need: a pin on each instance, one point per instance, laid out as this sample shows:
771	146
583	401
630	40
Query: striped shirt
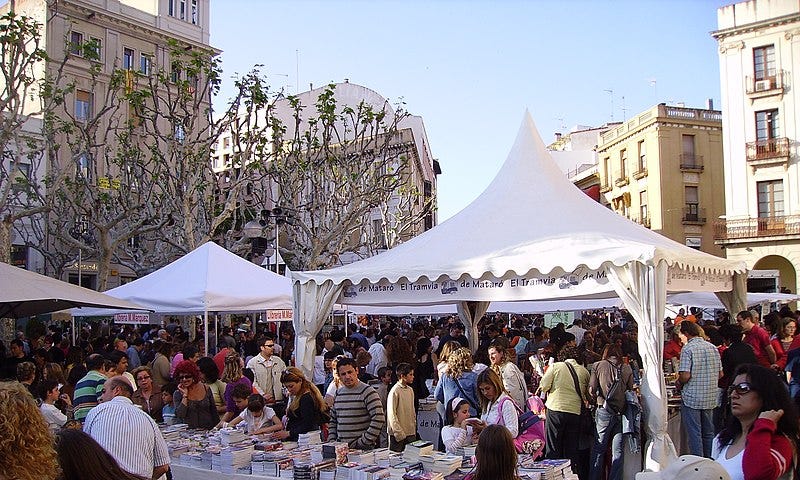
129	435
357	416
87	393
701	359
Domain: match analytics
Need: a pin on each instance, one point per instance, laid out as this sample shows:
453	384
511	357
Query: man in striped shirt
89	388
126	432
357	416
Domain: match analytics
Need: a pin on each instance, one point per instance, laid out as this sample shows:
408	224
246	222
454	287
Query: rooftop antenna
561	123
624	116
610	92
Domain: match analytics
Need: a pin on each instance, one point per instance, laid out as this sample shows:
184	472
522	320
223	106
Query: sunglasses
740	389
269	345
184	377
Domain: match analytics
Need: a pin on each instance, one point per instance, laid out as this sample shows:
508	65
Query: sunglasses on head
740	388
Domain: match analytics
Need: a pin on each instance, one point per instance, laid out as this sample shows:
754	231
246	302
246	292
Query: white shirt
53	416
378	352
732	465
454	437
510	417
253	422
129	435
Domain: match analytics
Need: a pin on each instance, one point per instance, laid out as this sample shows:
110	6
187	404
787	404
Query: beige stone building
125	34
663	169
759	54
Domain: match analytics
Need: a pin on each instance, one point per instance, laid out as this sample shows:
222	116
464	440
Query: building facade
136	36
410	211
759	54
663	170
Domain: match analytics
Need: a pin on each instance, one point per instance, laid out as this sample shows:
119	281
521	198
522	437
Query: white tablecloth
182	472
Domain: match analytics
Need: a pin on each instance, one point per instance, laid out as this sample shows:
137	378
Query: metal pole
80	266
277	247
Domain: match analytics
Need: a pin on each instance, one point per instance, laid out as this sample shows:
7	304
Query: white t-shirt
509	414
454	437
53	416
254	423
732	465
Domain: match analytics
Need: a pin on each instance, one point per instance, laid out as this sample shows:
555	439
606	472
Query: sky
472	68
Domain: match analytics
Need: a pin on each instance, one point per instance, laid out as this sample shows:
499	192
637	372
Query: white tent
207	279
530	235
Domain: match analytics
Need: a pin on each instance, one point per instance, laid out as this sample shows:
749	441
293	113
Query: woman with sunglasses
307	410
194	403
759	441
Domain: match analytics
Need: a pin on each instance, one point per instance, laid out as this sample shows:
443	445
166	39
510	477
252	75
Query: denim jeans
609	430
699	428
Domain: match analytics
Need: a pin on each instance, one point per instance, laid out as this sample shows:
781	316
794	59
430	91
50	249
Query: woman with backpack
609	381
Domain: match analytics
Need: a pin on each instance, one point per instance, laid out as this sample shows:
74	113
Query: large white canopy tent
207	279
530	235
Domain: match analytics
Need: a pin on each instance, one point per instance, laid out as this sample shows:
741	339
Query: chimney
710	104
558	136
346	80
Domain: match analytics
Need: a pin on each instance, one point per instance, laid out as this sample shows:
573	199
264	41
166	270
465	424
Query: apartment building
663	170
133	35
759	55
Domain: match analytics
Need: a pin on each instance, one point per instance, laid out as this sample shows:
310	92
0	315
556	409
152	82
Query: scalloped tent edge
532	218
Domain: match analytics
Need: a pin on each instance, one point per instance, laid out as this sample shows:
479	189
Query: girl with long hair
497	407
512	377
232	375
495	455
456	433
459	381
760	439
307	410
784	336
26	446
80	457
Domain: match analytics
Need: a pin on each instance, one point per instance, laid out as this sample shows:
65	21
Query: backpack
615	397
530	430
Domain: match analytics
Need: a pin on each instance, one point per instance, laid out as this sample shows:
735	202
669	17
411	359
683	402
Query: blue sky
470	69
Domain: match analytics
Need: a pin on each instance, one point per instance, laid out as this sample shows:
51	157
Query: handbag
530	430
465	397
586	423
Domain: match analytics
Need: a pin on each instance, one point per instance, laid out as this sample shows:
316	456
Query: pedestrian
401	419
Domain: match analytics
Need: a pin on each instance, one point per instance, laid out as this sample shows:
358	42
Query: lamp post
80	232
254	229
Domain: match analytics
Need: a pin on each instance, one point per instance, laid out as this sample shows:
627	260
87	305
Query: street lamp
254	229
80	231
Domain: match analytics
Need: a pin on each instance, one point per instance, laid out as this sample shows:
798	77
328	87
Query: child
457	433
401	419
53	416
168	411
258	417
239	395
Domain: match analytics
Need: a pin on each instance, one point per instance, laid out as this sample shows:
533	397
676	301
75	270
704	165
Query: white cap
688	467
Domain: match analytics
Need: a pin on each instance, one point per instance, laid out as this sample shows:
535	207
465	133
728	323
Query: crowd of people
739	385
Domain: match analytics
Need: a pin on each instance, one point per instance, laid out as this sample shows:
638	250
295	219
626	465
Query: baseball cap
688	467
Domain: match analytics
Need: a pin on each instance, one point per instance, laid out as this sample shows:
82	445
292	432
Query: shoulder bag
586	423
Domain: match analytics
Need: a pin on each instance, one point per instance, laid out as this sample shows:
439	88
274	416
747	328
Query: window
226	142
194	12
182	11
97	49
691	197
643	208
76	43
623	163
687	146
83	105
20	176
83	164
767	125
607	171
180	133
770	199
171	8
642	156
127	58
175	73
145	64
764	62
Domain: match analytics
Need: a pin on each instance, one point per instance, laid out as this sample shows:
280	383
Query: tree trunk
5	240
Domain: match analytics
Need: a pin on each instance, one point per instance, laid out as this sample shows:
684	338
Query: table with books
230	454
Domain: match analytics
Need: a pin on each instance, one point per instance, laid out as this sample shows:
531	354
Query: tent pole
73	330
205	328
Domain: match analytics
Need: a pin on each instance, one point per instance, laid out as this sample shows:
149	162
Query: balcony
642	220
691	162
765	87
604	185
640	173
621	182
693	215
768	151
752	228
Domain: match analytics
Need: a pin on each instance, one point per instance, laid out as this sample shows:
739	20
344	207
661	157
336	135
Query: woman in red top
672	349
760	440
783	340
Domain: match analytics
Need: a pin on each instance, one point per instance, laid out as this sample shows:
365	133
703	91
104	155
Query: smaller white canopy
207	279
24	293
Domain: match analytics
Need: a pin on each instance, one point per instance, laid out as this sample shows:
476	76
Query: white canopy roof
208	279
529	219
530	235
24	293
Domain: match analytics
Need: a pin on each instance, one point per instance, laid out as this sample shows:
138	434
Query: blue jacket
448	389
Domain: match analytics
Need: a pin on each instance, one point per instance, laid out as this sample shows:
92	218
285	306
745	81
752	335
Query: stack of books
415	450
446	464
336	450
230	436
310	470
310	438
423	476
233	457
547	469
